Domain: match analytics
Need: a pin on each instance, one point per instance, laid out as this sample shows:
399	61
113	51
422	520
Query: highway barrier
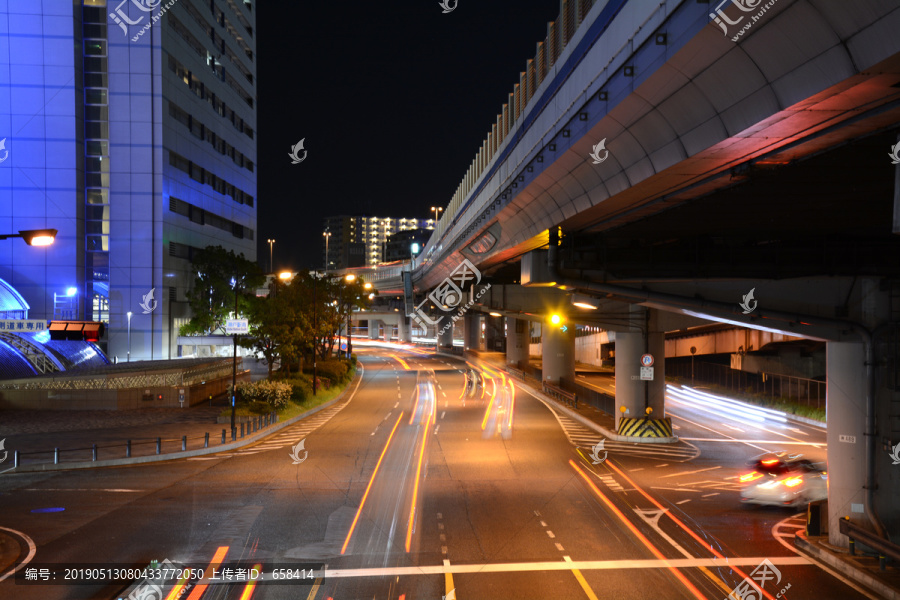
645	427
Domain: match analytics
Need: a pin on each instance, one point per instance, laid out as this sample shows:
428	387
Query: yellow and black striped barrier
645	427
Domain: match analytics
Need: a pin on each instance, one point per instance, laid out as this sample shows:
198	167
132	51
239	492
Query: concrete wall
116	399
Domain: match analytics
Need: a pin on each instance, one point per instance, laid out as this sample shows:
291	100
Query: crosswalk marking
581	436
289	435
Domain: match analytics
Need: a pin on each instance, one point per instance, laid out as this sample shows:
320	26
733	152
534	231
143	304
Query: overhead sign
236	326
647	360
22	325
646	373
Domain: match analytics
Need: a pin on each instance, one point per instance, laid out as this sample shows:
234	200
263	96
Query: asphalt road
423	483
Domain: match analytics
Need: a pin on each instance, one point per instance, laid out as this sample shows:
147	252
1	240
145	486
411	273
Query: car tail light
792	481
750	477
770	462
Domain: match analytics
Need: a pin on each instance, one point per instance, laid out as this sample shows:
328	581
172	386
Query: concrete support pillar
404	331
631	392
518	340
845	409
374	329
558	350
472	329
445	332
493	334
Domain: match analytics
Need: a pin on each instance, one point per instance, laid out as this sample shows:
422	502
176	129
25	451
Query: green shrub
336	371
273	393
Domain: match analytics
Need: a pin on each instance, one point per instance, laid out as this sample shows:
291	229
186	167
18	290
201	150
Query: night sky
393	100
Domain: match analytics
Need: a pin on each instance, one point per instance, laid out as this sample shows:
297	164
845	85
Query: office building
132	131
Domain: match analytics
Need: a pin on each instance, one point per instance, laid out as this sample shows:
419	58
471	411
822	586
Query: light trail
412	508
251	585
640	536
512	401
369	487
215	563
690	532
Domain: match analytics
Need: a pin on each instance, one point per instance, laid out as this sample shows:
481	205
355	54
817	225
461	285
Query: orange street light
34	237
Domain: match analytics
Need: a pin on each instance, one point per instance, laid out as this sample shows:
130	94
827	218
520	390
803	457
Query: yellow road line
582	581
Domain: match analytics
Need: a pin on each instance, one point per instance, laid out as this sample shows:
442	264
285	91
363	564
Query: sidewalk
35	434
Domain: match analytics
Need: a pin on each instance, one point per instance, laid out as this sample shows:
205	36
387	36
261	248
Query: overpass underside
759	165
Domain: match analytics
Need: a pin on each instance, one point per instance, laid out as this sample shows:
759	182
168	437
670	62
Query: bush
336	371
273	393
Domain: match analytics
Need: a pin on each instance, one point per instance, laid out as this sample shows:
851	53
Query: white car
778	479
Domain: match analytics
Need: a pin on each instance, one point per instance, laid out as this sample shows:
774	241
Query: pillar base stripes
645	427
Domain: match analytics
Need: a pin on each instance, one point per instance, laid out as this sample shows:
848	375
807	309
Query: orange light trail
486	413
369	487
483	385
251	585
640	536
678	522
415	408
512	401
215	563
412	508
401	361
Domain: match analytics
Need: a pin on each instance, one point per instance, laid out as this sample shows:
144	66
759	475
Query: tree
212	296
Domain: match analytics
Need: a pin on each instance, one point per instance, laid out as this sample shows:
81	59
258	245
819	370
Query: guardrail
79	454
884	548
560	394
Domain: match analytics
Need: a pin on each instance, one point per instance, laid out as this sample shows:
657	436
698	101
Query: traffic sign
236	326
646	373
647	360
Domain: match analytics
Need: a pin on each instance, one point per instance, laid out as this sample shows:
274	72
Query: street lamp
327	235
34	237
271	268
234	283
437	210
350	278
129	337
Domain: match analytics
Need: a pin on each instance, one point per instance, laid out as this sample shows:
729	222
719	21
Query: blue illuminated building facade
132	131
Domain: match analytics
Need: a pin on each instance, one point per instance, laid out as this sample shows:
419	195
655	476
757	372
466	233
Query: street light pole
129	337
234	363
437	210
315	326
327	235
271	267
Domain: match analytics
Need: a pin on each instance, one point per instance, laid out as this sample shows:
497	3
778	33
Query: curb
817	554
114	462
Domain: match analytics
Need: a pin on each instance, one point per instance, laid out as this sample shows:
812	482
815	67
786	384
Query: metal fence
798	389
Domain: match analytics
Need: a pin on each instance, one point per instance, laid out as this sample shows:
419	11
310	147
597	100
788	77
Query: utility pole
271	267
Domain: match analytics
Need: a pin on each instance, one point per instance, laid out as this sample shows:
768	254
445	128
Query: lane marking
448	578
690	472
583	565
80	490
32	549
683	501
550	533
636	533
678	522
582	581
670	414
369	487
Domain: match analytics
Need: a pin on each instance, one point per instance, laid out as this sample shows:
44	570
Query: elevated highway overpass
658	160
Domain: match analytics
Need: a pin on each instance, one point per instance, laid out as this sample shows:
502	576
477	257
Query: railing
560	394
155	445
799	389
109	381
884	548
559	33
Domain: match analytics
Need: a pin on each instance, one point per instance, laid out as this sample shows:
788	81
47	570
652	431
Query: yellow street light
350	278
368	286
555	319
34	237
285	275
